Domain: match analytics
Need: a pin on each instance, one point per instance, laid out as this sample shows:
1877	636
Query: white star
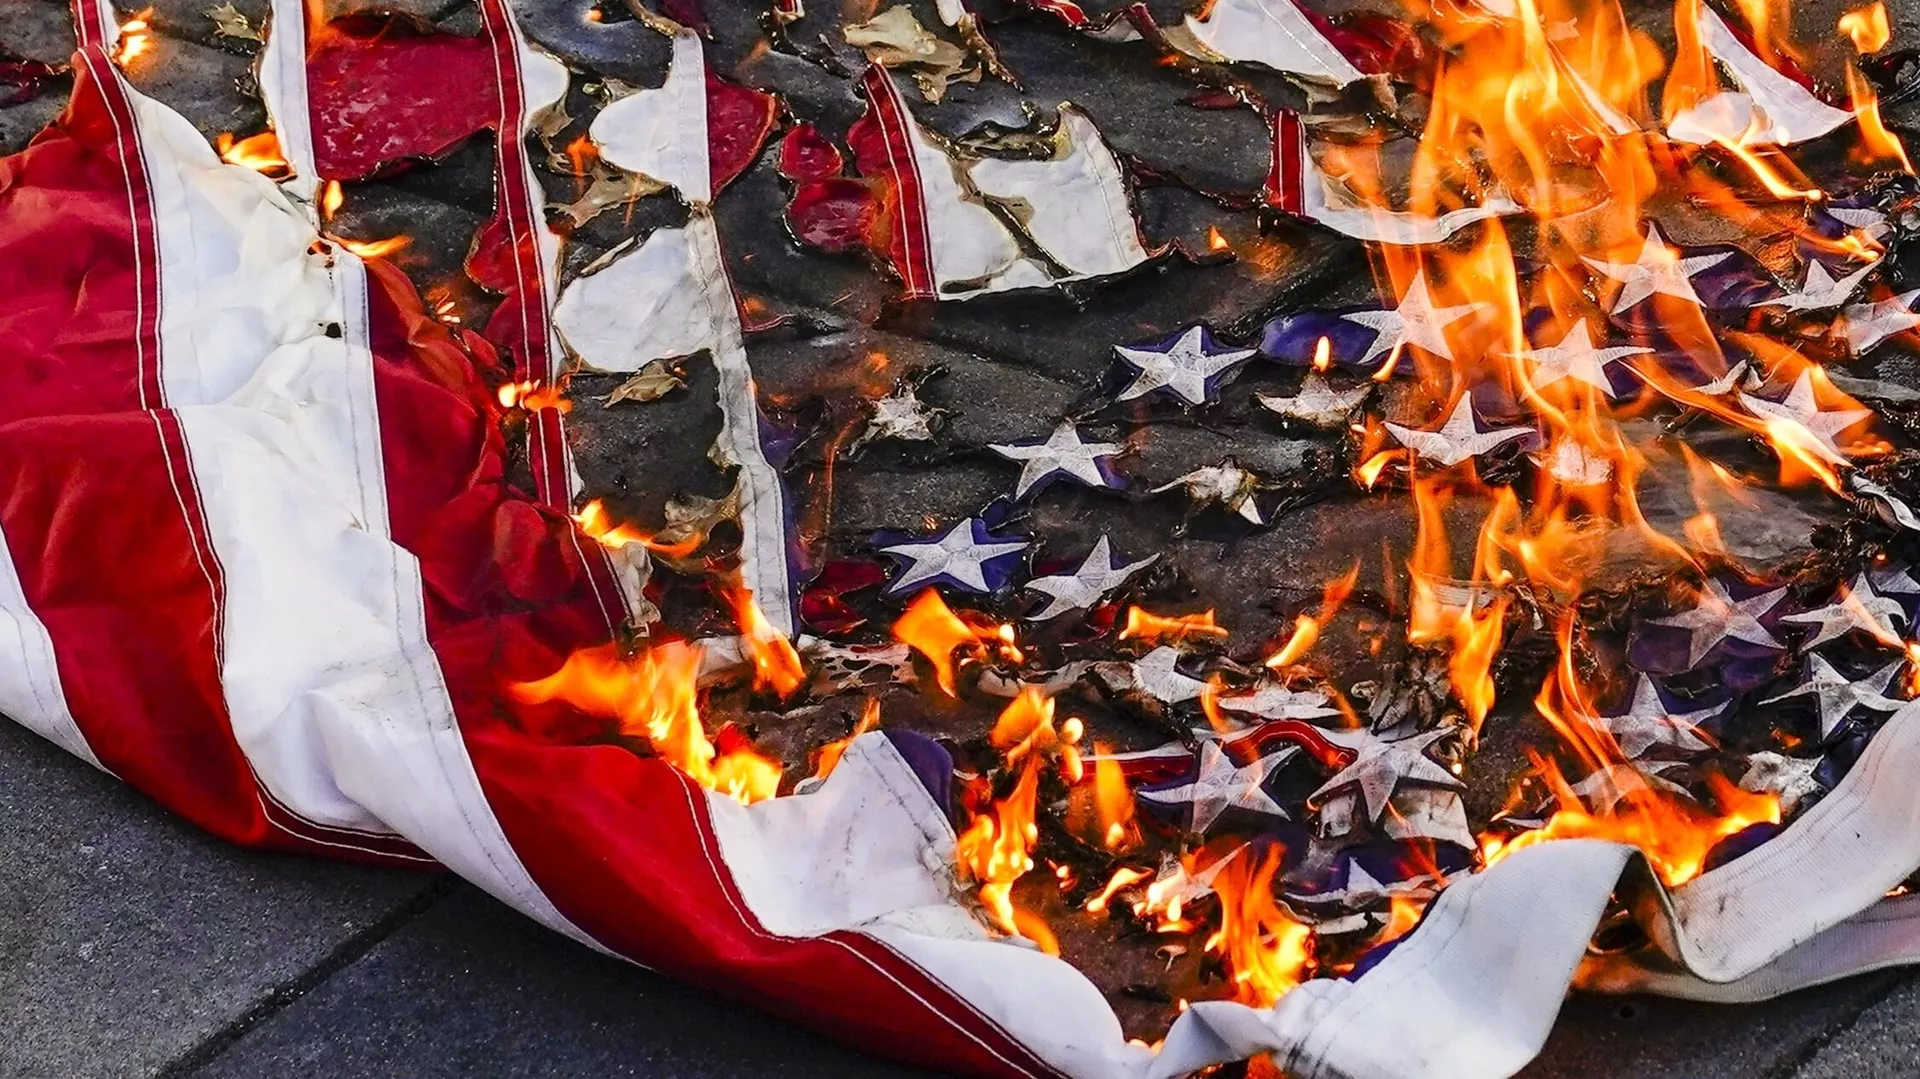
1227	483
1647	723
899	415
1859	607
1835	694
1186	368
1894	581
958	555
1819	290
1221	786
1737	376
1871	222
1061	452
1799	407
1457	439
1156	675
1317	404
1575	357
1604	788
1381	765
1085	586
1868	324
1273	701
1790	778
1716	617
1656	269
1413	321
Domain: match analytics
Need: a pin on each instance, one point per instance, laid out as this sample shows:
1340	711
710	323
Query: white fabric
1773	110
662	133
1273	33
1075	205
1323	202
283	86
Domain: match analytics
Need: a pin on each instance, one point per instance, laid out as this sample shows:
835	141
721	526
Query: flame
1113	801
996	850
260	152
1025	729
931	628
1323	354
1147	626
600	526
1266	952
1124	877
331	199
1306	628
775	663
1867	28
828	756
374	249
533	396
1215	241
136	38
654	695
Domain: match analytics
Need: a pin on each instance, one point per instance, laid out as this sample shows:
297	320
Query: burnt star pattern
1856	608
1190	369
1382	765
1085	586
1273	701
1225	484
1318	403
1605	787
1717	617
1836	695
1219	785
1062	454
1458	439
1791	778
1800	407
1865	325
1575	357
1157	675
900	416
1894	581
1819	289
969	556
1738	377
1413	321
1658	270
1649	722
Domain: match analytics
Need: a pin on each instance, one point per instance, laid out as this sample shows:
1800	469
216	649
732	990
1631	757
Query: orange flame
374	249
1266	952
828	756
930	628
261	152
1147	626
775	663
135	39
533	396
600	526
1215	241
1113	801
996	850
655	695
332	197
1306	628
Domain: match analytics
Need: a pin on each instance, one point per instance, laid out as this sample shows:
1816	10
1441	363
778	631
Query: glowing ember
654	695
1215	241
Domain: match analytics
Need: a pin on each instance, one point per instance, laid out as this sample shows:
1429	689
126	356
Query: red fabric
382	91
883	150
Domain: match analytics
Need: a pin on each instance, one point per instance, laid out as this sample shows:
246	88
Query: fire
930	628
136	38
1323	354
1124	877
1867	28
655	695
600	526
374	249
1306	628
775	663
1025	729
533	396
260	152
1113	802
1266	952
1147	626
332	197
827	758
996	850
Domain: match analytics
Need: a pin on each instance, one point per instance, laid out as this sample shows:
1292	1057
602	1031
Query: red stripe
101	510
1283	187
909	200
89	27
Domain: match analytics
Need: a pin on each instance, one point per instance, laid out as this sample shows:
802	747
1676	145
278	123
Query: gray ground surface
132	946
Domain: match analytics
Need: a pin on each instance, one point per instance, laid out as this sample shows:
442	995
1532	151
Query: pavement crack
286	994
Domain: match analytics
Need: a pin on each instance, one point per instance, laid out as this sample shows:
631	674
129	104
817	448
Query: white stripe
30	690
283	86
336	696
